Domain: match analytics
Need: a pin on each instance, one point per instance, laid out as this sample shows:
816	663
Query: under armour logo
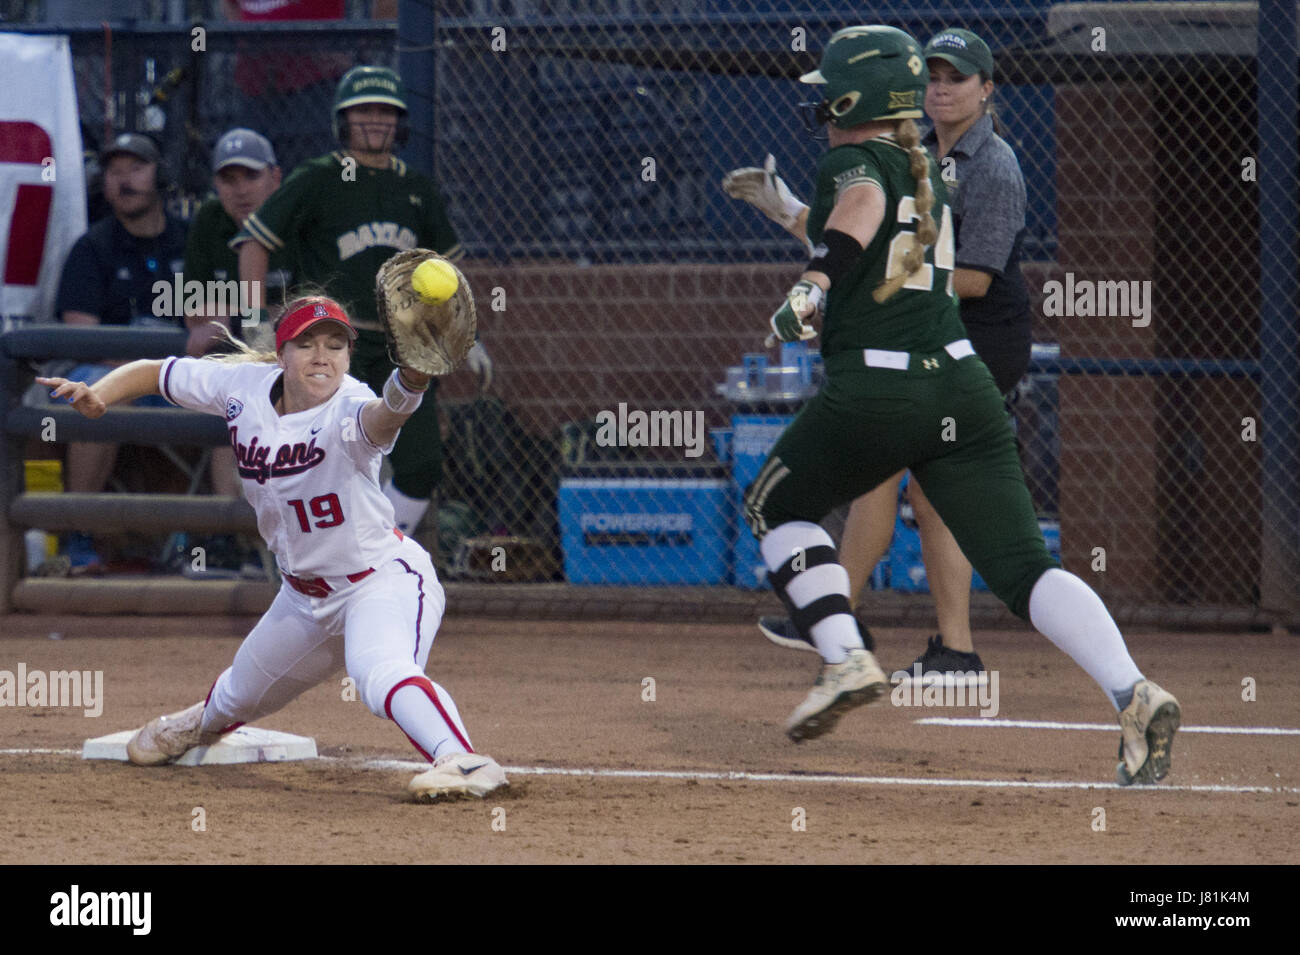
929	364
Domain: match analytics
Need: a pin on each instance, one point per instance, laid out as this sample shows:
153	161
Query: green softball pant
942	418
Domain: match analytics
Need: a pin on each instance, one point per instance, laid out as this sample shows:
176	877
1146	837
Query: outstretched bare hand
79	393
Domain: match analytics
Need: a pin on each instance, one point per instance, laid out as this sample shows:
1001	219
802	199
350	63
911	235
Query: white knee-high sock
1069	613
837	634
407	511
429	719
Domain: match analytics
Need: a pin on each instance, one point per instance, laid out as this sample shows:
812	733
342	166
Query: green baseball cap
963	50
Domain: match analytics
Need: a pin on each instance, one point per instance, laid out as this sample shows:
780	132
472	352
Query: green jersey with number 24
923	315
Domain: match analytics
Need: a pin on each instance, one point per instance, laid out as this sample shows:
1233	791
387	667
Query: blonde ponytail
927	233
241	352
265	331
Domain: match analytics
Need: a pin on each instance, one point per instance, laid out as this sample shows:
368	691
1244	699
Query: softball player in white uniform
308	441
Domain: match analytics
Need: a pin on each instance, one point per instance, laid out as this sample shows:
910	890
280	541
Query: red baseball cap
308	314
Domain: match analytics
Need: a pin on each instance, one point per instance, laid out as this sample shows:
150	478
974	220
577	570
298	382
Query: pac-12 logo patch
233	407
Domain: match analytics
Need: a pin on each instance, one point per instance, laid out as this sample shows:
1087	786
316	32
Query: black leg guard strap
805	618
806	560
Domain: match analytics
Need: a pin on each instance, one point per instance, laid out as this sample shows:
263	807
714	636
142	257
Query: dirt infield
572	696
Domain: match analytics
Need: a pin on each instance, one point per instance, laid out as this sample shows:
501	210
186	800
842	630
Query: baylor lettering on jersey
388	234
341	230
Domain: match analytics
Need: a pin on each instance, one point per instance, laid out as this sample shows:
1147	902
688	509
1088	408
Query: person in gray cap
244	175
108	279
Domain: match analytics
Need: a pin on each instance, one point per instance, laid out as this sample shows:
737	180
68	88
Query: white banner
42	181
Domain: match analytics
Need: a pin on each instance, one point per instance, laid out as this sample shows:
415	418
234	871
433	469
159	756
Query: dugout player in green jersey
905	389
342	215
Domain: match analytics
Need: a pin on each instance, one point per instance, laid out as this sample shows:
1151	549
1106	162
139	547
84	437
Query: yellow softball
435	281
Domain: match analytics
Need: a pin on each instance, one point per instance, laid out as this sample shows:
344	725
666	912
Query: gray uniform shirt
987	192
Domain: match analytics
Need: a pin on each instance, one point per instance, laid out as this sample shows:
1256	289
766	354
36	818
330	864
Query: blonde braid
927	233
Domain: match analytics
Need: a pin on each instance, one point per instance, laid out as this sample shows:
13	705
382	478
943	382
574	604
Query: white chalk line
406	765
734	776
968	721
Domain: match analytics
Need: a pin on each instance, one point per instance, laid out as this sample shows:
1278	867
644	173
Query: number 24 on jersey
945	256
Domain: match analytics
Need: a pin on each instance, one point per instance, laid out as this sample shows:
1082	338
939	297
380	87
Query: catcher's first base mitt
428	338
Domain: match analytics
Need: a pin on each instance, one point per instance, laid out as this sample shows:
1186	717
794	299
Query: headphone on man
143	147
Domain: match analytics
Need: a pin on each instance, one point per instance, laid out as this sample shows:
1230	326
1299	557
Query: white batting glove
480	363
765	191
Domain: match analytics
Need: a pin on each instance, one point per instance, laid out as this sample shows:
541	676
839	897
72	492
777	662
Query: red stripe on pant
424	683
208	699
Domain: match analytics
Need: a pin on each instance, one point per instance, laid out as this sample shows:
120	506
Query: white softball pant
380	628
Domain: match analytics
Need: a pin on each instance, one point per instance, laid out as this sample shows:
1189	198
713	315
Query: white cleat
458	775
1147	726
840	687
167	738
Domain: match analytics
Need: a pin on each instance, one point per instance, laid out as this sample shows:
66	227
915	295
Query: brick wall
571	341
1106	220
1154	469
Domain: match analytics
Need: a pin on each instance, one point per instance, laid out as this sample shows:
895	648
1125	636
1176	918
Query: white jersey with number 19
312	476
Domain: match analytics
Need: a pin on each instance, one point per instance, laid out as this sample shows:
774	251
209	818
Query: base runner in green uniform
343	215
905	389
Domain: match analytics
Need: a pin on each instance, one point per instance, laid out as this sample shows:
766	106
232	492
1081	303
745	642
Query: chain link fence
187	86
580	145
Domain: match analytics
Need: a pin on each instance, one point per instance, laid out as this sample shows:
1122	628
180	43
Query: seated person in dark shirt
108	279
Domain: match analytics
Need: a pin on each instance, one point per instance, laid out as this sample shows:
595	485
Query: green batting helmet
369	84
870	73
